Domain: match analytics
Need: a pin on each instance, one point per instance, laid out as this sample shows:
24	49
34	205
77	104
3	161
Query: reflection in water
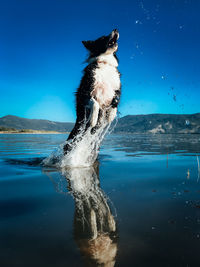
36	222
198	168
94	225
188	174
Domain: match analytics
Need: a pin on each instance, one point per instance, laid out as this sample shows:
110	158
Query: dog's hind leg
91	115
73	137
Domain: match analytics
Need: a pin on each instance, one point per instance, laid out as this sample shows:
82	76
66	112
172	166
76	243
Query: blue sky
41	55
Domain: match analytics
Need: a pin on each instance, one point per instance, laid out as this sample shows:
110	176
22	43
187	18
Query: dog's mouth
114	36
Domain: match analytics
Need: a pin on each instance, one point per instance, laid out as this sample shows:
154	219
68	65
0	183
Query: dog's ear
87	44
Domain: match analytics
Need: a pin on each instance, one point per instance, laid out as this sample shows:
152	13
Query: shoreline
34	132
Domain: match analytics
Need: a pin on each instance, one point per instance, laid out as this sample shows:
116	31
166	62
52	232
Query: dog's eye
111	43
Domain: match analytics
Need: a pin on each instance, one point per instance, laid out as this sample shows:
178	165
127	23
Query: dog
98	95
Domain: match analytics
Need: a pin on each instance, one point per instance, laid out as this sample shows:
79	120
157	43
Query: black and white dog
98	95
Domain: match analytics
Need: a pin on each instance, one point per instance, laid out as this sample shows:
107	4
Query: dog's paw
94	112
115	102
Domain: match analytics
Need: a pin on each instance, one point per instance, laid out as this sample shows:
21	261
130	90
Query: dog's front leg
94	112
111	114
116	99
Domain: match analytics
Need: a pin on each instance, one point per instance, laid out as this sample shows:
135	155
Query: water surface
139	206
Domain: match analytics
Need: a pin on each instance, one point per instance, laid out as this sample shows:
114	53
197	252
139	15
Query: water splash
85	147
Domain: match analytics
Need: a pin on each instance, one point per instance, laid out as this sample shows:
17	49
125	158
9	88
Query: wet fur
99	92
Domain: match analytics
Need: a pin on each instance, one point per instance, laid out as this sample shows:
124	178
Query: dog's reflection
94	225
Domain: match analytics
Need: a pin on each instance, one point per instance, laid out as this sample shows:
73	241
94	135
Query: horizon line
119	117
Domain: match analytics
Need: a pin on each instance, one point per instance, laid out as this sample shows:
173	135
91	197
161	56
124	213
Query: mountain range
159	123
152	123
19	123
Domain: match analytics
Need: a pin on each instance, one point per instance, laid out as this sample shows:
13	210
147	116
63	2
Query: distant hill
152	123
34	124
159	123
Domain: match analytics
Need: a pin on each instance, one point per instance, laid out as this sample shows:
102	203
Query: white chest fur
107	80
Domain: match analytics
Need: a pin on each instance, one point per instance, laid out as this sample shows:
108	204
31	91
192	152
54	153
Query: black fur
83	94
100	45
82	99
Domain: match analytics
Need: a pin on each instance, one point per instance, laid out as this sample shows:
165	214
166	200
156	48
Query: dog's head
103	45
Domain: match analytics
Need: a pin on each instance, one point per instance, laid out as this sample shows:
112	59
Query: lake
138	206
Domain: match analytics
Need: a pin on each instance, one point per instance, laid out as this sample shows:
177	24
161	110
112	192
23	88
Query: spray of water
85	147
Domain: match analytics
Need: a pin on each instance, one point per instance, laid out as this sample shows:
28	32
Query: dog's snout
115	34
